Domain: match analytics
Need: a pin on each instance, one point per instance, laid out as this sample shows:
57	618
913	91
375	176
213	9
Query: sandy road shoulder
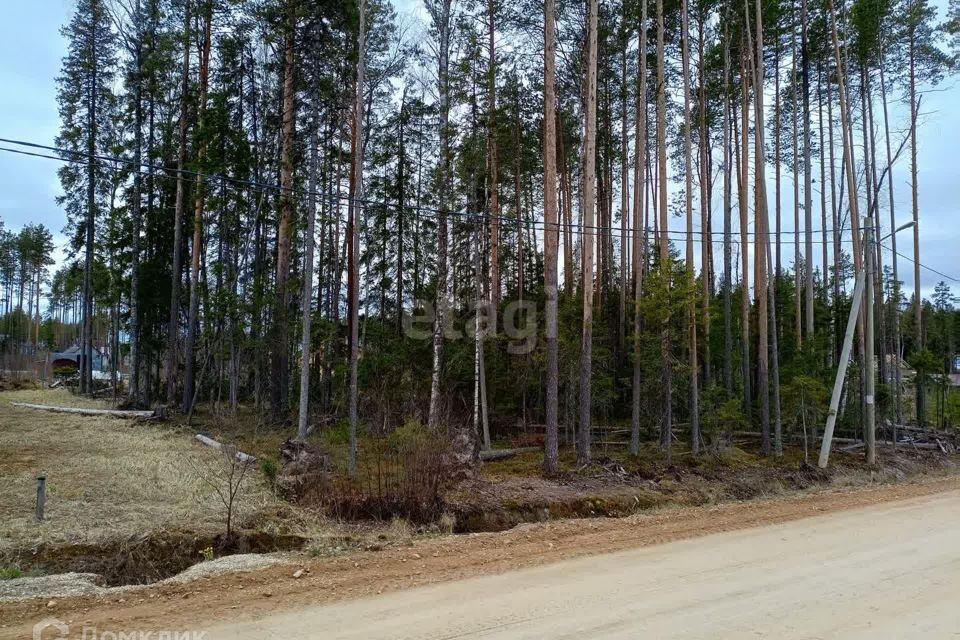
206	600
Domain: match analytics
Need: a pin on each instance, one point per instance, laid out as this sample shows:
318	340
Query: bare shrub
226	477
405	475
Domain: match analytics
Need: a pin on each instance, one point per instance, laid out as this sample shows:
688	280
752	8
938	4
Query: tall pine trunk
199	202
173	328
639	227
706	187
897	334
356	194
441	21
807	175
588	189
280	341
136	213
550	235
743	214
727	214
306	301
494	185
915	209
688	203
762	238
666	420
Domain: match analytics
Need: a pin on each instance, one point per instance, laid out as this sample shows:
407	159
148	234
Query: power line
930	269
164	172
579	230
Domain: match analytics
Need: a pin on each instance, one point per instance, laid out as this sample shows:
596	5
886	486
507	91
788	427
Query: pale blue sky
31	49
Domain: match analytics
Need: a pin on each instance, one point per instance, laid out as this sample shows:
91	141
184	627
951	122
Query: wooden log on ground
795	437
852	447
489	455
928	446
115	413
240	455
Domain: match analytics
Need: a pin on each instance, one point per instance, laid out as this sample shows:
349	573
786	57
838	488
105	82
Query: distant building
72	357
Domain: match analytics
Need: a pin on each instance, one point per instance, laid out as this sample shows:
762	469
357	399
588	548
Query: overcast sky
31	49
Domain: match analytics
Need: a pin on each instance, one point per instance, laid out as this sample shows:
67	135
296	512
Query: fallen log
859	444
239	455
926	446
489	455
114	413
795	437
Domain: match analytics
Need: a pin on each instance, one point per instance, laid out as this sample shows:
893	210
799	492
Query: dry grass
107	478
57	397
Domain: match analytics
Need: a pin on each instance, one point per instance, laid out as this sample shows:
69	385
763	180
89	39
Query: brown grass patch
107	479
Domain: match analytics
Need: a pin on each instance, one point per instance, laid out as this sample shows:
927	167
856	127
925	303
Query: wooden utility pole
841	372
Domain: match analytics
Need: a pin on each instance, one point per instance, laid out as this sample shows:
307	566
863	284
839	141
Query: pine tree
589	207
86	105
551	235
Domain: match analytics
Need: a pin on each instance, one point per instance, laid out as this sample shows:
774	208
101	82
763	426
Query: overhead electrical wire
164	172
579	229
82	159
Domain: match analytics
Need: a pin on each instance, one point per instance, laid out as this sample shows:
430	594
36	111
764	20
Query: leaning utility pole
864	280
841	372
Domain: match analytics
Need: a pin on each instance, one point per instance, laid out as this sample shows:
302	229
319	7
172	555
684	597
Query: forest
559	218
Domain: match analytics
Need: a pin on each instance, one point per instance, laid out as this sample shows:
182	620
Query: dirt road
887	571
798	566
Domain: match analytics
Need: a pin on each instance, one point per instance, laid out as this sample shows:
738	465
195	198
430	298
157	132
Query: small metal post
41	496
